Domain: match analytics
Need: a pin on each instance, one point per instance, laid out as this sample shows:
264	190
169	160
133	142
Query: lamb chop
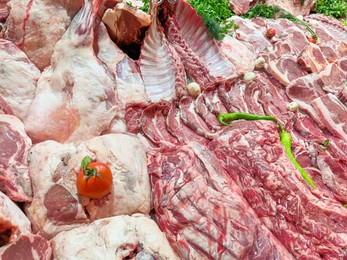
123	237
76	92
36	26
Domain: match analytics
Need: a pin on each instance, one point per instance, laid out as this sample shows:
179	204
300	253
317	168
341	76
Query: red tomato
330	60
270	33
95	180
313	40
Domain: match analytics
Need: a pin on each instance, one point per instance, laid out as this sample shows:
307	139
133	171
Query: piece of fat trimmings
259	63
293	106
249	76
194	89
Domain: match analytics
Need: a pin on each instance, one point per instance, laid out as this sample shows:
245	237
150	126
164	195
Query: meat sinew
76	91
14	146
120	237
56	205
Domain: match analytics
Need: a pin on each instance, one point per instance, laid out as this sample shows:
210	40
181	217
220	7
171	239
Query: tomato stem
85	161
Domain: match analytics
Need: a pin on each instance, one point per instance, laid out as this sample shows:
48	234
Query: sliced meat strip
232	95
253	155
193	119
294	7
333	114
177	127
207	115
202	211
153	124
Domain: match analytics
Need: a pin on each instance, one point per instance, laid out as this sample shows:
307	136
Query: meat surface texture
14	146
18	78
29	247
120	237
14	222
255	158
76	91
203	212
56	205
35	26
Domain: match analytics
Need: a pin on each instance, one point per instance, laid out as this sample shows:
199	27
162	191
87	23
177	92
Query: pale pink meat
56	205
18	78
35	26
120	237
76	91
14	146
295	7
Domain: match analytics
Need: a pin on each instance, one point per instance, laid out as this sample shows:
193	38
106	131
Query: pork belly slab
53	167
14	146
120	237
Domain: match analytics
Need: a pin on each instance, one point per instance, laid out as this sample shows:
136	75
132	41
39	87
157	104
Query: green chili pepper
345	205
223	118
287	143
326	143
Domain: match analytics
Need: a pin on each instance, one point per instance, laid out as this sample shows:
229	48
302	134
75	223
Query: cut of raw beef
202	211
76	91
308	224
18	78
28	247
13	221
36	26
56	205
120	237
295	7
14	146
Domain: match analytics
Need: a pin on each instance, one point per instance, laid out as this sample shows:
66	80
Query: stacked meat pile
217	192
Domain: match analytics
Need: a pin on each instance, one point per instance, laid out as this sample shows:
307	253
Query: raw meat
4	12
76	91
56	206
14	146
29	247
333	114
18	78
13	221
121	237
295	7
312	59
126	24
200	54
161	68
36	26
203	212
130	86
308	224
240	7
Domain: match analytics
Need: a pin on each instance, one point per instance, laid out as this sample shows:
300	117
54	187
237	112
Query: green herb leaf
334	8
129	3
85	161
